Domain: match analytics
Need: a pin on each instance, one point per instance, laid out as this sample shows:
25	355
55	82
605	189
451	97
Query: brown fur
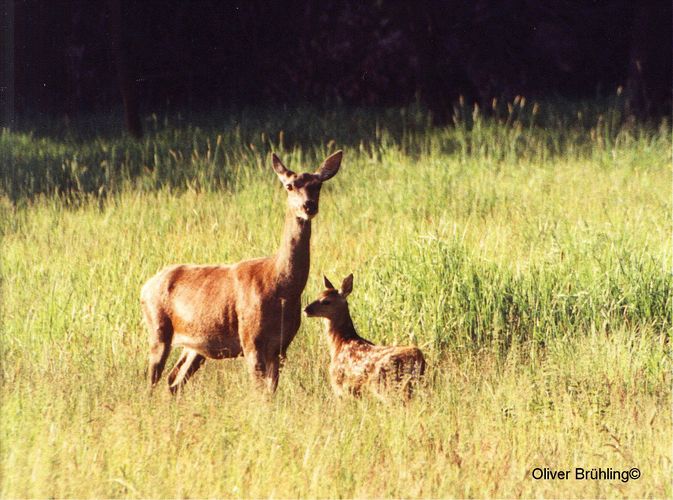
356	363
249	309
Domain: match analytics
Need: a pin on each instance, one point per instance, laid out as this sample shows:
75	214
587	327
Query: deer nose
310	207
308	309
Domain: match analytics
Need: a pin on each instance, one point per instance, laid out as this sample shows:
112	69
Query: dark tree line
84	55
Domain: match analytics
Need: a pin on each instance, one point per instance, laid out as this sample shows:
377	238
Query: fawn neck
340	330
293	257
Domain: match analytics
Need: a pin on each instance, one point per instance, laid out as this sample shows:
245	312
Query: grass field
527	254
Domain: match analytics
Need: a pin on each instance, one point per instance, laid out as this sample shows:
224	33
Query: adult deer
251	308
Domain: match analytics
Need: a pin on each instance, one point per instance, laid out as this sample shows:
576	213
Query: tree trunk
124	79
648	85
7	79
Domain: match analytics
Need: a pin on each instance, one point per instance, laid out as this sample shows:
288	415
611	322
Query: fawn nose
308	309
310	207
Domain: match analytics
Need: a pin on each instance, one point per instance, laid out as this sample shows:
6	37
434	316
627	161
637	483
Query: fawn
357	363
250	309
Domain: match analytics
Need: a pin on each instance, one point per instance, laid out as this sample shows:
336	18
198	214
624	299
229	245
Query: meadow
527	253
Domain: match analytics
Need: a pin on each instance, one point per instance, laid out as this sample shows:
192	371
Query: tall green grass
526	252
216	151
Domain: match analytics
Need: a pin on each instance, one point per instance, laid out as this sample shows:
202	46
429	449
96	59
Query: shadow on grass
212	149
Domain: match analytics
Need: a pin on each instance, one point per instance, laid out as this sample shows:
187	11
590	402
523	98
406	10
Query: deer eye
289	187
325	302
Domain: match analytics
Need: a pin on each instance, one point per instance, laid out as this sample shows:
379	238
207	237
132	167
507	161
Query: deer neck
293	257
340	331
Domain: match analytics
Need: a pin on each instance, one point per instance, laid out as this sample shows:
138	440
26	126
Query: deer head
303	190
331	303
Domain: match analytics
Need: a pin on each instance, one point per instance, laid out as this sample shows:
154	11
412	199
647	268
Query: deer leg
176	368
158	355
271	376
256	367
189	362
160	337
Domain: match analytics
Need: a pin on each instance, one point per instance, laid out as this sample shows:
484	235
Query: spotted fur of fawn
356	363
250	309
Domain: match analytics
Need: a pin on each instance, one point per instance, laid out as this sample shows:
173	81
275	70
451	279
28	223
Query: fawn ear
327	282
347	286
330	166
283	173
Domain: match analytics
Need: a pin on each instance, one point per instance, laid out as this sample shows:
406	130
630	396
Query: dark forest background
80	56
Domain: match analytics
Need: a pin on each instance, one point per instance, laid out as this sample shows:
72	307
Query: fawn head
331	303
303	190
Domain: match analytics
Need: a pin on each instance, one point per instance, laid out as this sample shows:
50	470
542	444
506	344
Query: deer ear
327	282
283	173
330	166
347	286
